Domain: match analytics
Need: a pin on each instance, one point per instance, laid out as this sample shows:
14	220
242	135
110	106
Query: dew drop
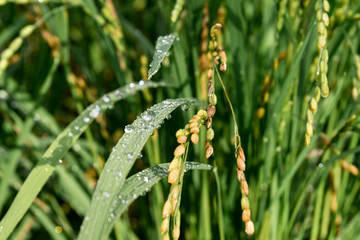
86	119
141	82
320	165
106	98
129	128
4	95
132	85
60	161
106	194
70	134
148	115
185	107
146	179
167	102
95	112
36	117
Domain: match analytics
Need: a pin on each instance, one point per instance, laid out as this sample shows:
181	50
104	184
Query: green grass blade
143	181
50	159
119	164
76	195
47	223
163	45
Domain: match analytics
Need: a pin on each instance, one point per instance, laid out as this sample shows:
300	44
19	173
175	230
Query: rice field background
179	119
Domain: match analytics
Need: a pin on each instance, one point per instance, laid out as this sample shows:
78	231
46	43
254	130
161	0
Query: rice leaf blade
163	45
50	159
118	165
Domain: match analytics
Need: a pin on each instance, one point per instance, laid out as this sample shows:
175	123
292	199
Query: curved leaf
163	45
118	165
140	183
51	158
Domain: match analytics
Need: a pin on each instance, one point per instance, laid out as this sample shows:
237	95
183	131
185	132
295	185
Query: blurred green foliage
81	50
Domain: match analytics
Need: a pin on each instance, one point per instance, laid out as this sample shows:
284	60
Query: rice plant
179	119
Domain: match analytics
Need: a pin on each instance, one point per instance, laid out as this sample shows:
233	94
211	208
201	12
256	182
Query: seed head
16	44
3	64
211	110
193	125
195	118
179	133
210	74
173	175
214	29
260	113
223	67
195	130
246	215
310	116
244	188
176	232
174	163
175	193
182	139
209	123
266	97
179	150
249	227
313	104
325	90
212	99
241	153
202	113
173	206
318	16
325	19
307	140
27	30
344	164
210	134
317	93
166	209
244	203
195	138
209	151
7	53
321	28
240	175
309	129
240	163
326	6
353	170
164	225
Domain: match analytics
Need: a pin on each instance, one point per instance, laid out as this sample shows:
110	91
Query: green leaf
140	183
163	45
118	165
50	159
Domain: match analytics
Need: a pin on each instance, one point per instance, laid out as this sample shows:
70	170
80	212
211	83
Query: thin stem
220	212
236	133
